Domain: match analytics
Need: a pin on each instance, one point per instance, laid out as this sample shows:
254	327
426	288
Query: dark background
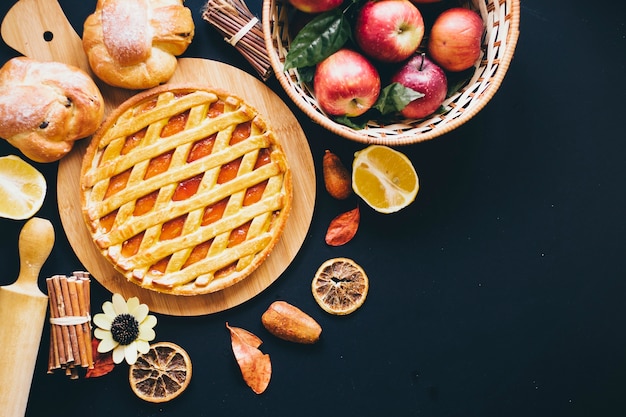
500	291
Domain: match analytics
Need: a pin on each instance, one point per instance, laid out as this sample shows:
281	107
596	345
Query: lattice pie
185	190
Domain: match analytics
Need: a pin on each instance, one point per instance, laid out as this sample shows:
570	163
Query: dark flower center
125	329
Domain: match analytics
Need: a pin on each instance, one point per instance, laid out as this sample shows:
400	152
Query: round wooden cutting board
288	130
49	36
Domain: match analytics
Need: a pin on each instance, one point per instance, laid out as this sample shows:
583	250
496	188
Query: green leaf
357	123
395	97
458	80
306	74
318	39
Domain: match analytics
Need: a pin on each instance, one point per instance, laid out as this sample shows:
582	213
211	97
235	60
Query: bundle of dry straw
242	29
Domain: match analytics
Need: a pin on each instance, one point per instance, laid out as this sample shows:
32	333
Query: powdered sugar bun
46	106
133	44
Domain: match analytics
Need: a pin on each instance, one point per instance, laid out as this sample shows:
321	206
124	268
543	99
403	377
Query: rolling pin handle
35	244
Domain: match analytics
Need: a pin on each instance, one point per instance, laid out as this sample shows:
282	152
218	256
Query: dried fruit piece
340	286
161	374
288	322
255	366
343	227
336	176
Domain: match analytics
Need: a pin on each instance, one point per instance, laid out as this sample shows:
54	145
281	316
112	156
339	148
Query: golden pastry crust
185	190
46	106
133	44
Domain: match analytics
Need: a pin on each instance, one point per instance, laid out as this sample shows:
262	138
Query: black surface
499	292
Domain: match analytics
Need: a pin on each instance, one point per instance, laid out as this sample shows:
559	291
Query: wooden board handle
40	30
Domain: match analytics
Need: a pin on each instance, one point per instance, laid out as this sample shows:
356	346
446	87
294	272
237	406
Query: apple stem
422	63
344	11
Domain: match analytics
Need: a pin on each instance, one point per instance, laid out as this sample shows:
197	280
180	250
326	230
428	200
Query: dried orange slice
384	178
161	374
340	286
22	188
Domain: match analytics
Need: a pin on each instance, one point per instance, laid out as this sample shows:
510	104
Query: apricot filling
187	188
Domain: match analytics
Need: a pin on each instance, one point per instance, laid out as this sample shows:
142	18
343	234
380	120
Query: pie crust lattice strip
185	190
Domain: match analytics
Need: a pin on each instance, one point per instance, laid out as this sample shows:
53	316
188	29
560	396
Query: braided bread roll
133	44
46	106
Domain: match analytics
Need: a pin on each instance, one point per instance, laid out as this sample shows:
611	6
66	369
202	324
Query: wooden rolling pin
22	314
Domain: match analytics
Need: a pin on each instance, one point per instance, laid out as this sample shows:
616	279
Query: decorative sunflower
124	327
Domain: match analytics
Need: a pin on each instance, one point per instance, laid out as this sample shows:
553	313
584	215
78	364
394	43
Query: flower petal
143	346
146	333
130	352
107	344
102	333
118	353
149	322
140	312
132	304
103	321
109	309
119	304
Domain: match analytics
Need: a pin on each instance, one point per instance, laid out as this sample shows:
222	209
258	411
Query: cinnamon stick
68	312
56	345
78	328
85	327
65	333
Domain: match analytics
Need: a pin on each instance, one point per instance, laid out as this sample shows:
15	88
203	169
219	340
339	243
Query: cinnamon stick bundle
242	29
70	319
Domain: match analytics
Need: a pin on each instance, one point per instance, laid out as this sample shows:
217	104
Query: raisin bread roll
46	106
133	44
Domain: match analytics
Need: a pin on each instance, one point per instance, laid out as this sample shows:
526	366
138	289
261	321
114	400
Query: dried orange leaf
343	228
102	364
255	366
246	337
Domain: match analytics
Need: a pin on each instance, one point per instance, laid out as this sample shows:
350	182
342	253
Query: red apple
389	30
455	39
424	76
315	6
346	84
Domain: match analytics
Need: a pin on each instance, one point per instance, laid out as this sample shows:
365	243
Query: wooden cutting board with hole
39	29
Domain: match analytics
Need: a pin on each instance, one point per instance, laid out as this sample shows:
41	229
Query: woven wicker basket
501	19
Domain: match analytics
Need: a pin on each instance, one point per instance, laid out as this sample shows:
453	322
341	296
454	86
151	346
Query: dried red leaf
102	362
255	366
343	228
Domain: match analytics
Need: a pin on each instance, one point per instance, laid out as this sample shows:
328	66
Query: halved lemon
161	374
22	188
384	178
340	286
